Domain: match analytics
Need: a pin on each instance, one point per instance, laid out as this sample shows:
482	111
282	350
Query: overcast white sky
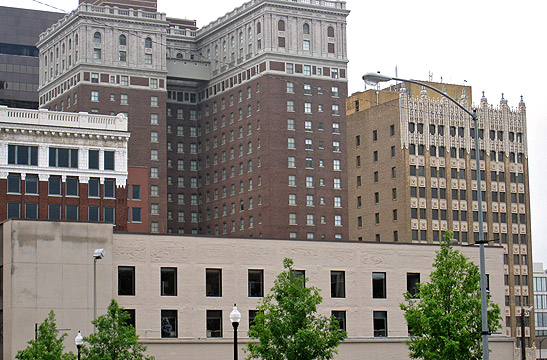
496	46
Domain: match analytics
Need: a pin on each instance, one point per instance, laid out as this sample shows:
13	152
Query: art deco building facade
239	125
412	176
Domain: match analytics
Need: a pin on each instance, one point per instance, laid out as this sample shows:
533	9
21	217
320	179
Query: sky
494	46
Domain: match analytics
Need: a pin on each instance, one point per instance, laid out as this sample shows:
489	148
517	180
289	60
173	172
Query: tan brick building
412	176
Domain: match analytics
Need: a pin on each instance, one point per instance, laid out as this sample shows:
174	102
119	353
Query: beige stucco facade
51	267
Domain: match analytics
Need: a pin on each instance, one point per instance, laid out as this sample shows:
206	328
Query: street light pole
79	340
235	318
97	255
375	78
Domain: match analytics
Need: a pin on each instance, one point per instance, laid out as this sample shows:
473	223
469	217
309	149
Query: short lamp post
235	318
523	313
79	340
98	254
374	79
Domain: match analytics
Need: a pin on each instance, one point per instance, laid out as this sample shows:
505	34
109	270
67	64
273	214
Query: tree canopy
444	318
288	326
48	345
115	339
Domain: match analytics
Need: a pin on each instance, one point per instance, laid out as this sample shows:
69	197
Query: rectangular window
93	159
380	323
14	210
169	324
110	188
379	290
412	281
109	160
340	316
31	211
168	281
93	213
54	185
126	280
213	282
63	157
23	155
214	323
93	187
136	215
337	284
256	283
14	183
71	212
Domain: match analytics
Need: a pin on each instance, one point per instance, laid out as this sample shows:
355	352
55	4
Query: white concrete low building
180	289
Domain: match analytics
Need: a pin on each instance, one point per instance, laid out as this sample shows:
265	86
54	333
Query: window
97	38
14	183
154	101
31	184
256	283
380	323
214	323
168	281
412	281
379	285
63	157
126	280
93	187
54	212
122	40
341	318
337	284
136	215
306	45
97	54
148	43
335	109
31	211
14	210
54	185
213	282
23	155
290	105
169	326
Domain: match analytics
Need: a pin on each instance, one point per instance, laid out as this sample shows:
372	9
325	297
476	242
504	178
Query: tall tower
412	177
237	128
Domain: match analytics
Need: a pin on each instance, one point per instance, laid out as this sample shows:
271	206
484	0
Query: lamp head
98	254
374	78
235	315
79	339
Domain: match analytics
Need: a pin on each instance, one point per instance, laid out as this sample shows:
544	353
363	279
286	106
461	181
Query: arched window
208	53
69	44
241	37
330	31
281	25
224	46
63	48
179	56
148	43
97	38
123	40
233	42
250	33
306	29
258	28
76	40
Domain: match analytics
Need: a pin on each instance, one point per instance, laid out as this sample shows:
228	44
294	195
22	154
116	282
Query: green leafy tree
48	344
288	326
444	318
115	338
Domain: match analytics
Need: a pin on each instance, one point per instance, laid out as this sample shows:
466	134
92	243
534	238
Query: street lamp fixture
79	340
98	254
374	79
235	318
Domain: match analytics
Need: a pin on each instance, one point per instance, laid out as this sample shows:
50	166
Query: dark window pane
54	185
109	160
252	315
136	192
93	213
341	317
109	215
380	323
131	319
93	187
71	186
31	184
169	328
14	210
126	280
71	212
109	188
213	282
136	215
168	281
14	183
379	285
94	159
337	284
214	323
31	211
412	281
301	274
54	212
256	283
